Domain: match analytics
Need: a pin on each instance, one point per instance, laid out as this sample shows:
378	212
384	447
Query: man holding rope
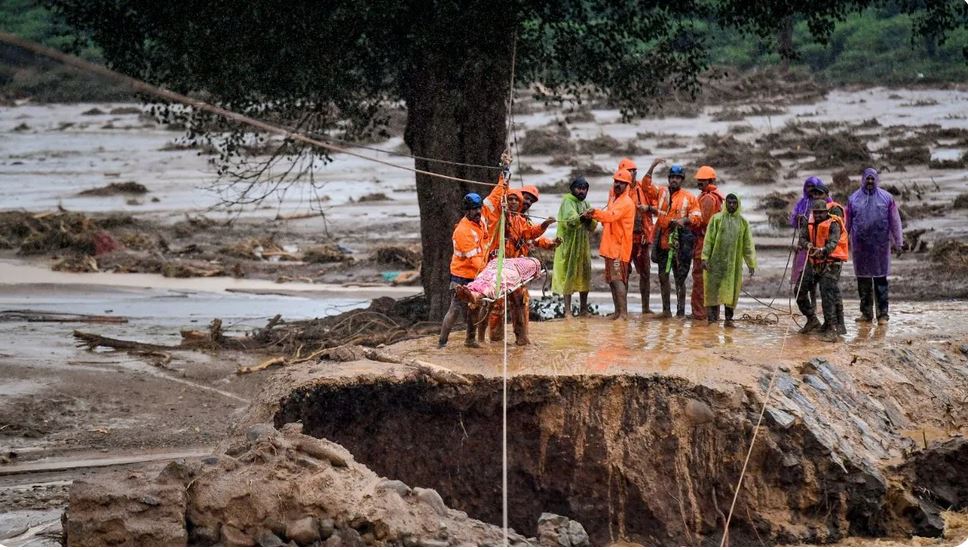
825	240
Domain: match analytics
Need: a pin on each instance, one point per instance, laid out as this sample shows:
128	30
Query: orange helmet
623	175
705	173
531	190
627	164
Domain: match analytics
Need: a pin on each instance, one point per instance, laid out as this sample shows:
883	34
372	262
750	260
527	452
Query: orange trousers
520	299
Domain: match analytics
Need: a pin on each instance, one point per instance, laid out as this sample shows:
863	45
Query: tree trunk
456	111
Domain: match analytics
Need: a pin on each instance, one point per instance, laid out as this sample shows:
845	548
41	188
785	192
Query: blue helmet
677	170
472	200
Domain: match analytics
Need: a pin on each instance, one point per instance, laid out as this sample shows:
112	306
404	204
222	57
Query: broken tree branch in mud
386	321
32	316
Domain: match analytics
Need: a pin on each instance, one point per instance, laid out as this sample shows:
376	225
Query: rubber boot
812	324
829	336
665	287
729	317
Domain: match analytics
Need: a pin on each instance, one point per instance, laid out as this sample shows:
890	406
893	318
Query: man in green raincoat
728	244
573	257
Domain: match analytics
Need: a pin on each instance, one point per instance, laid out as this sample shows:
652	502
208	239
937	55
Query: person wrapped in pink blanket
516	271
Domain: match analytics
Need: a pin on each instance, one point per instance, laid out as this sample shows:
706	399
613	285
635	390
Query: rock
782	419
204	536
431	498
318	449
963	348
292	428
256	432
303	531
350	537
326	528
553	530
576	534
126	511
394	485
699	412
232	536
267	538
334	541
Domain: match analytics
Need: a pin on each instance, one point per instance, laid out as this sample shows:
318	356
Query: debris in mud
373	197
116	188
777	206
399	256
271	487
45	232
552	306
22	127
80	263
258	249
324	253
125	111
386	321
951	254
603	144
94	111
917	155
547	141
750	164
961	201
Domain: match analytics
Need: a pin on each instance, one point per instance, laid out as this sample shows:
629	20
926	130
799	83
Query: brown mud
637	445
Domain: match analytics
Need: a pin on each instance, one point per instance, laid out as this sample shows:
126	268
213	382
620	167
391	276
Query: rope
504	373
756	429
406	155
143	87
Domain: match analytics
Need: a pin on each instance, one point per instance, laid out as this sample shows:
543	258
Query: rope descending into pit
759	422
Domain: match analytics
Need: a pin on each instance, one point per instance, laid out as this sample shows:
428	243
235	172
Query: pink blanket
516	271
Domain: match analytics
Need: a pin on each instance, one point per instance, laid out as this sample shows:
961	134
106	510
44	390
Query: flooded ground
66	413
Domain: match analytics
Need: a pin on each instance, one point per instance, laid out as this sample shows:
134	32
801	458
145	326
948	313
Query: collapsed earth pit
648	460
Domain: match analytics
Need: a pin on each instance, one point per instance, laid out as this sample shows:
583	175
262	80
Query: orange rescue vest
819	240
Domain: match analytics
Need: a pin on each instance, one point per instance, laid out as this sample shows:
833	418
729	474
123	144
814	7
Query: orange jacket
618	222
819	233
470	244
683	205
533	235
644	194
515	237
710	203
491	211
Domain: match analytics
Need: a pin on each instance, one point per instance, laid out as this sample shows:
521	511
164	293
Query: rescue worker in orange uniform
530	195
825	239
710	203
644	195
678	211
618	221
470	241
519	233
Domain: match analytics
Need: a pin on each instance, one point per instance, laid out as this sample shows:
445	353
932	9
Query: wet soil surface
67	413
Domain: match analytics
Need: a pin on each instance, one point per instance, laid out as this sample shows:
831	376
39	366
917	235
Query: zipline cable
504	319
143	87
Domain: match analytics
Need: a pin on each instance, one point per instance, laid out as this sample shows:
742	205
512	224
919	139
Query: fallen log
93	341
33	316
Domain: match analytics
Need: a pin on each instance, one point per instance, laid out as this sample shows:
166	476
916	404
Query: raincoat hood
863	180
802	207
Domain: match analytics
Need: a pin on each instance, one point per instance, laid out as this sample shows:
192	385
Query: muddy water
692	350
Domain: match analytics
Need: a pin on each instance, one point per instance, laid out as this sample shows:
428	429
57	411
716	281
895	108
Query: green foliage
23	76
876	46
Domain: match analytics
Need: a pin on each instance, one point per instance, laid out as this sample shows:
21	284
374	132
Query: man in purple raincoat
874	227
